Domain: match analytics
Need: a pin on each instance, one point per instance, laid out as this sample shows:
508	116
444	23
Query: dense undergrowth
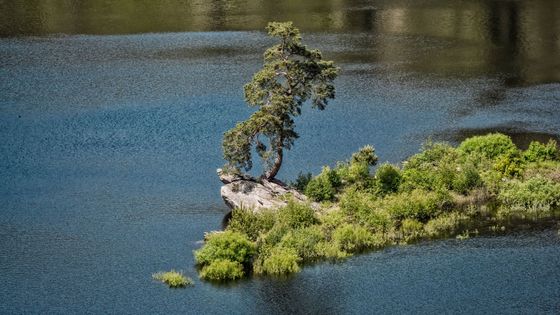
485	185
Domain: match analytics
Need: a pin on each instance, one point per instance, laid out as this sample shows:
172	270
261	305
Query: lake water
111	118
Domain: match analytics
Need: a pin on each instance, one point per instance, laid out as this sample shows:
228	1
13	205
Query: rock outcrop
243	191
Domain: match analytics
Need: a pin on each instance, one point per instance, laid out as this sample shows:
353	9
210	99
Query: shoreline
485	186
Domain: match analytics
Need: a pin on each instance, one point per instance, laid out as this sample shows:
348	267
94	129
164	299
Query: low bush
534	192
304	241
250	223
174	279
355	174
222	270
466	180
356	171
352	238
365	209
411	229
546	169
538	152
413	178
281	260
387	179
432	154
445	225
330	251
432	170
417	204
274	236
489	146
320	189
509	164
323	187
296	215
330	220
228	245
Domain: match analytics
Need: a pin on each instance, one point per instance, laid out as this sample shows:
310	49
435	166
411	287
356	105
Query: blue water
109	146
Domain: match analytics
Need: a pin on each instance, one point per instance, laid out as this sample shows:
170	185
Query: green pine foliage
291	76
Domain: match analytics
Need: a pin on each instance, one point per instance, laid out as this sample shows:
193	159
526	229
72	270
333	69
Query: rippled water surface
111	117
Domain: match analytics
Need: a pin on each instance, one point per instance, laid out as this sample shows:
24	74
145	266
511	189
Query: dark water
111	116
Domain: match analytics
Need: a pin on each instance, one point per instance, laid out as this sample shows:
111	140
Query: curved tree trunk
276	166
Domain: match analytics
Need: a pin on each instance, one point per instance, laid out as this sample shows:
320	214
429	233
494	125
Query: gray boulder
243	191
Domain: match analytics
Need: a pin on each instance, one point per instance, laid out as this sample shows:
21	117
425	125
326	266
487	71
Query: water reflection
516	39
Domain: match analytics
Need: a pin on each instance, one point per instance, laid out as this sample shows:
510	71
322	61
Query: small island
485	185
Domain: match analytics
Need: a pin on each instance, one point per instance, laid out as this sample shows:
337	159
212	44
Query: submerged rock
243	191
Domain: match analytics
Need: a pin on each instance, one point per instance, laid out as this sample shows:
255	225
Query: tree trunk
276	166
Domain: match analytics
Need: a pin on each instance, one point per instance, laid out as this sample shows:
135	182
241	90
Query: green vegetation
174	279
280	260
225	255
221	270
485	185
291	75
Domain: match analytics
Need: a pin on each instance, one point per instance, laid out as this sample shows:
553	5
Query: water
111	117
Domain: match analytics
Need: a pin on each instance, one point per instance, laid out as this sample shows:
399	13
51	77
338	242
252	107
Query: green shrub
352	238
412	229
538	152
319	189
274	236
174	279
222	270
534	192
417	204
281	260
323	187
226	245
431	154
492	180
388	178
445	225
413	178
296	215
330	220
547	169
301	181
365	155
467	179
509	164
432	169
330	250
250	223
365	209
489	146
304	241
356	171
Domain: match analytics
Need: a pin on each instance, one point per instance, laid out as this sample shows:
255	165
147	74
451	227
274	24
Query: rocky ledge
243	191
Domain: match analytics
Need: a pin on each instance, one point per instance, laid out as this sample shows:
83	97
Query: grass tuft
174	279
